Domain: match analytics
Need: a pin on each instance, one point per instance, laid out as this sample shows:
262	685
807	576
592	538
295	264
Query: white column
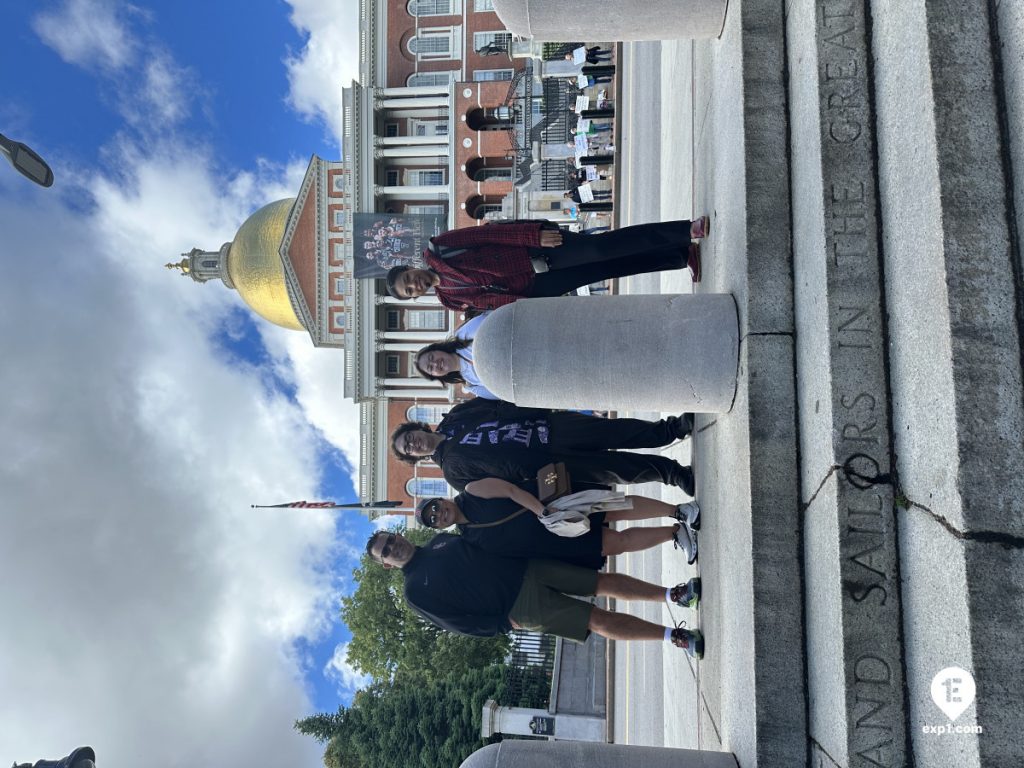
429	300
414	394
403	347
413	90
401	141
424	336
423	101
423	150
415	381
414	192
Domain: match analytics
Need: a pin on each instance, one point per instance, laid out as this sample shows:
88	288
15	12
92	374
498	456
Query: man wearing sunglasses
460	588
492	438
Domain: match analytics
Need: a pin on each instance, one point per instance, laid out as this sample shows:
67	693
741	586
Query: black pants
585	259
585	444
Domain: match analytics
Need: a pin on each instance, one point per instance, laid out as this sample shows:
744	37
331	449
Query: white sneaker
686	540
688	513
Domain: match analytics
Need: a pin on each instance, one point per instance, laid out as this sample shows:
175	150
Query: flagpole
385	506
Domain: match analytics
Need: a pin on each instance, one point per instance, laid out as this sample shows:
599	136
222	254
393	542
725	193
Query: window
492	40
483	5
429	128
428	414
425	487
429	78
392	364
424	209
426	178
485	75
338	217
493	174
339	251
391	178
435	43
341	285
430	7
391	318
425	319
210	264
390	129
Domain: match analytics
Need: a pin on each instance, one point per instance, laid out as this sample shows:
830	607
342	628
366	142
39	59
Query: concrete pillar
571	20
647	353
568	754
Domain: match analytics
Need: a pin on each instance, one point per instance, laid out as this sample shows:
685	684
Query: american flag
326	505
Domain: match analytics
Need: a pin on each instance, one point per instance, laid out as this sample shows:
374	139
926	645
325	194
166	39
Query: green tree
410	721
388	638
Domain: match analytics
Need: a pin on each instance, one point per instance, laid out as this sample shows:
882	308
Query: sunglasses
385	551
431	513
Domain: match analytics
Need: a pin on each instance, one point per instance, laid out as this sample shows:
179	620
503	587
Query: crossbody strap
515	514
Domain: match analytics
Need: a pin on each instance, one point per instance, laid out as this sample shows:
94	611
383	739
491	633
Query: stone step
856	713
747	460
952	279
908	307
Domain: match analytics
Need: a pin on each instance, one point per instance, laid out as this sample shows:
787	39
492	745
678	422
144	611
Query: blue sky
143	413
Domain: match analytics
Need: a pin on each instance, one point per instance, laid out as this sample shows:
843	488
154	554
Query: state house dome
251	265
254	264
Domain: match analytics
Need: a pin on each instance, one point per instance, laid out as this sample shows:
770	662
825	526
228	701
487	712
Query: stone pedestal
572	20
560	754
522	721
663	353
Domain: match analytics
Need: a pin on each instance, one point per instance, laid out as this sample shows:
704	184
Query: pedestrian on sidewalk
489	266
505	519
460	588
599	194
594	55
491	438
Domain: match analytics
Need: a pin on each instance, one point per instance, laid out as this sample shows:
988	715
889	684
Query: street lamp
26	161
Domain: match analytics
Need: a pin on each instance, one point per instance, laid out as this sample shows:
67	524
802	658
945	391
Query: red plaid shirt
496	255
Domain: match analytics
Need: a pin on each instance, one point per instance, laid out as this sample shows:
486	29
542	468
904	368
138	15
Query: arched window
425	487
430	7
429	78
429	414
431	46
210	264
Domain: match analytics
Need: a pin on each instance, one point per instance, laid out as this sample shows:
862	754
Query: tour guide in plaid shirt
488	266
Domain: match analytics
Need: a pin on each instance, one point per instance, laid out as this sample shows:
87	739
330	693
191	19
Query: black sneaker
687	595
684	479
691	641
682	425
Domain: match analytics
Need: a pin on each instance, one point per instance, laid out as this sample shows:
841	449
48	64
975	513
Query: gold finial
183	265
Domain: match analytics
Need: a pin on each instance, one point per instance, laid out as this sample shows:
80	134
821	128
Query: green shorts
544	605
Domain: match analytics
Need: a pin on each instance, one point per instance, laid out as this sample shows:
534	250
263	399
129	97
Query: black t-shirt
524	535
461	588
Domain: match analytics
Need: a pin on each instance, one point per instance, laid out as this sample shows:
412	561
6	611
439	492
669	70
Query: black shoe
682	426
684	479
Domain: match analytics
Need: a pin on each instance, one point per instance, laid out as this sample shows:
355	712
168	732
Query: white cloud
344	674
88	33
148	610
151	91
327	61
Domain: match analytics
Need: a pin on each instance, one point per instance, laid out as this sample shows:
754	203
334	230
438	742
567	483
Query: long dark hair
452	346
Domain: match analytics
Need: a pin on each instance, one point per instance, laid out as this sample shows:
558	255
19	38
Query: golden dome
255	268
